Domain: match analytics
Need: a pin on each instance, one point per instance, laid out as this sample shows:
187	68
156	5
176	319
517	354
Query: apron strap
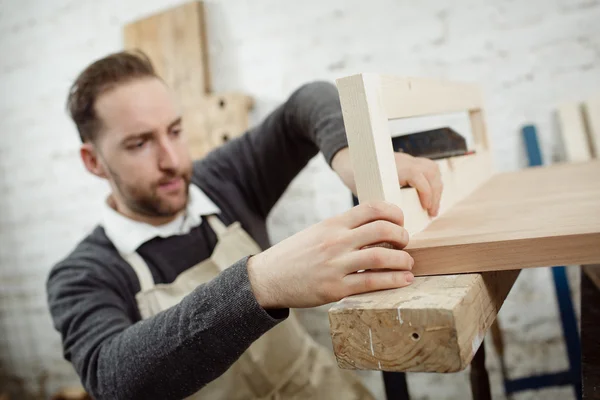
216	225
141	270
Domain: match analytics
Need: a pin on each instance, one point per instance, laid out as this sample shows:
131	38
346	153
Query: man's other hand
420	173
321	264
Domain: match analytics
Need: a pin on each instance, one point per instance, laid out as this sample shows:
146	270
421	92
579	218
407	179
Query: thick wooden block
434	325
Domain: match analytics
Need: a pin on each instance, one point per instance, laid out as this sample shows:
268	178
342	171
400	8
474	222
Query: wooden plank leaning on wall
176	42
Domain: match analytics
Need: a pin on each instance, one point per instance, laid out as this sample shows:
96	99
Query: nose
168	158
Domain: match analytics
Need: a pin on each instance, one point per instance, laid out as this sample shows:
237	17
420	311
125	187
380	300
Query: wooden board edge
507	254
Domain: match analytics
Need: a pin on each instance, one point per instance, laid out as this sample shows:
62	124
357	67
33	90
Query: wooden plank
369	139
572	126
460	176
434	325
592	117
412	97
175	42
478	128
537	217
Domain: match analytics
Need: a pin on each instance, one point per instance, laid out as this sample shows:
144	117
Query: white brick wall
529	56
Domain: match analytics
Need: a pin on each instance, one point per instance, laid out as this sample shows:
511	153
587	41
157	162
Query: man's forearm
179	350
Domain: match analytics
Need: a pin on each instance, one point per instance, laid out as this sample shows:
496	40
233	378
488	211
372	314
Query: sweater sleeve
168	356
264	160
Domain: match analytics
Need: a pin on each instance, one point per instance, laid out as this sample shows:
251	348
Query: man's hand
320	264
417	172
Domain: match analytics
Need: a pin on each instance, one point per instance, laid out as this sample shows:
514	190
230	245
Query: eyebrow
146	134
174	123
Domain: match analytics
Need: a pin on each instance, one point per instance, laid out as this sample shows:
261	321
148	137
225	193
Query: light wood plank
478	128
460	176
369	139
175	42
570	119
412	97
537	217
592	116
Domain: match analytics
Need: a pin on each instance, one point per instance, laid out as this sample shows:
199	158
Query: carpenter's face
143	149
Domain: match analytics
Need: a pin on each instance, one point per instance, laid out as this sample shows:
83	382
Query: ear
91	160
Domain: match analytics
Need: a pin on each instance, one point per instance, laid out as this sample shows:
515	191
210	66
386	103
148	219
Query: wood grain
369	139
537	217
571	123
412	97
591	110
434	325
175	41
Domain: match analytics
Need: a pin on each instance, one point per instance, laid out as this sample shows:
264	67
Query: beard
148	201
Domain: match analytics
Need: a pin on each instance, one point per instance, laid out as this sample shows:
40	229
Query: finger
377	258
373	211
434	176
437	186
370	281
420	182
379	232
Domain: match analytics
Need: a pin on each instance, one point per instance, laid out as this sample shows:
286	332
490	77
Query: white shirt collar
127	235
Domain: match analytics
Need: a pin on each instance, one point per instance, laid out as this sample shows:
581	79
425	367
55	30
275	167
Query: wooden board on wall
175	42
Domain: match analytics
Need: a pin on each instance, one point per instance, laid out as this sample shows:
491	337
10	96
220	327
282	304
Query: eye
176	132
137	144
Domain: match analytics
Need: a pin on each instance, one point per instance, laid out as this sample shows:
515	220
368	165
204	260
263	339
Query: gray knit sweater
91	292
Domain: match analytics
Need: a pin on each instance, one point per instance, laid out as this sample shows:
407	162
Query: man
178	292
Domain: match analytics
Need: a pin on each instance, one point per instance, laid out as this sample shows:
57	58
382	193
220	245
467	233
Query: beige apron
284	363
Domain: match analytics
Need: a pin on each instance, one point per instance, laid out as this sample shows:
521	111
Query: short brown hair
99	77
